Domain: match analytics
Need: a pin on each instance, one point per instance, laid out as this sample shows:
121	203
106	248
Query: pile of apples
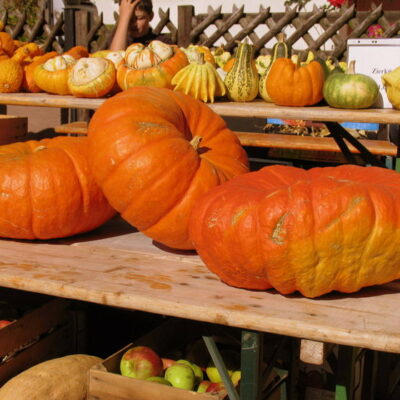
142	362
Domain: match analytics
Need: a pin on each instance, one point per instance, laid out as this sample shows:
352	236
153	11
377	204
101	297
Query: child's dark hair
145	5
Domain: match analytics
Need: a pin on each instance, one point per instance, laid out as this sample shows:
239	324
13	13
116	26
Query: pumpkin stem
352	67
195	142
39	148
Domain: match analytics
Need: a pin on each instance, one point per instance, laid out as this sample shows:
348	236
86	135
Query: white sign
375	57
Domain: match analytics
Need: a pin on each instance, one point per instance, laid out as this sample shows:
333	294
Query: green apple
158	379
180	376
198	373
235	377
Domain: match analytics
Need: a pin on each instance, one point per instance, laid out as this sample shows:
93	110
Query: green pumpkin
350	90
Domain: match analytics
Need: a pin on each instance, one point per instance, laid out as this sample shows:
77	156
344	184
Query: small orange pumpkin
291	85
52	76
26	52
7	45
92	77
48	190
28	83
11	75
154	65
77	52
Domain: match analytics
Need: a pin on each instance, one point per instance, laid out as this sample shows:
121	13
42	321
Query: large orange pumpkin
154	65
48	191
291	85
315	231
154	152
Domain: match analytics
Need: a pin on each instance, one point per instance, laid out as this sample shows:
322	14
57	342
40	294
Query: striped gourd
281	49
242	80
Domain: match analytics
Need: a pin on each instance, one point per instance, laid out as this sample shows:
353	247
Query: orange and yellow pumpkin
154	151
48	191
312	231
91	77
154	65
11	75
52	76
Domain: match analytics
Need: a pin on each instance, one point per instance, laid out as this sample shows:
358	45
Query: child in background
134	25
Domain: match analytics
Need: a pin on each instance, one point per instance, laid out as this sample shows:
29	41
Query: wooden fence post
185	15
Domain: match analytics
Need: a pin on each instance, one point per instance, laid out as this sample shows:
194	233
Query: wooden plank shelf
117	266
257	108
272	140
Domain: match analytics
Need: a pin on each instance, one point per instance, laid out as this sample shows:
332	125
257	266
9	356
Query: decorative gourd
154	152
154	65
28	82
291	85
192	52
242	80
77	52
199	79
221	56
7	45
25	53
391	82
92	77
63	378
280	49
229	64
48	190
263	61
52	76
313	231
11	75
117	57
350	90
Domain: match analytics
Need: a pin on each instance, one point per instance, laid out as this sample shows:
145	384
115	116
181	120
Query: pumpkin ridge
162	174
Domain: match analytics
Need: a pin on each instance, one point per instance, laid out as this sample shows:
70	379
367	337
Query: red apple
141	362
167	362
4	322
215	387
203	386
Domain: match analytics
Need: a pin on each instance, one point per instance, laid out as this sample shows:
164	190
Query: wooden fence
82	24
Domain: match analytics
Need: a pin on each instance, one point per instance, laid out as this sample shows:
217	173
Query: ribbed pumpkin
242	79
154	65
92	77
199	79
28	83
291	85
154	152
48	191
11	75
52	76
281	49
313	231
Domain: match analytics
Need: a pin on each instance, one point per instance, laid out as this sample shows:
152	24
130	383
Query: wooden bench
272	140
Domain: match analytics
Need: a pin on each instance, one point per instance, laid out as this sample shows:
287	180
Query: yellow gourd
199	79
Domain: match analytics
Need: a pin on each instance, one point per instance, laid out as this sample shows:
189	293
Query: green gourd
281	49
242	80
350	90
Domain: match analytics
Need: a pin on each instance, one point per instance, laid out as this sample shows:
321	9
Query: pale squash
61	378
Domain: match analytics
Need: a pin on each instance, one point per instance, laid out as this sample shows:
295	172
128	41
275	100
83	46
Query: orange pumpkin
92	77
11	75
26	52
154	65
154	152
291	85
313	231
7	45
77	52
28	82
48	191
52	76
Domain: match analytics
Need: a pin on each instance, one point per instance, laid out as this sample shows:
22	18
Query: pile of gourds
280	78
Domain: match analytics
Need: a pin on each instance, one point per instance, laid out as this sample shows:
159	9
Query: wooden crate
48	329
106	383
12	128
